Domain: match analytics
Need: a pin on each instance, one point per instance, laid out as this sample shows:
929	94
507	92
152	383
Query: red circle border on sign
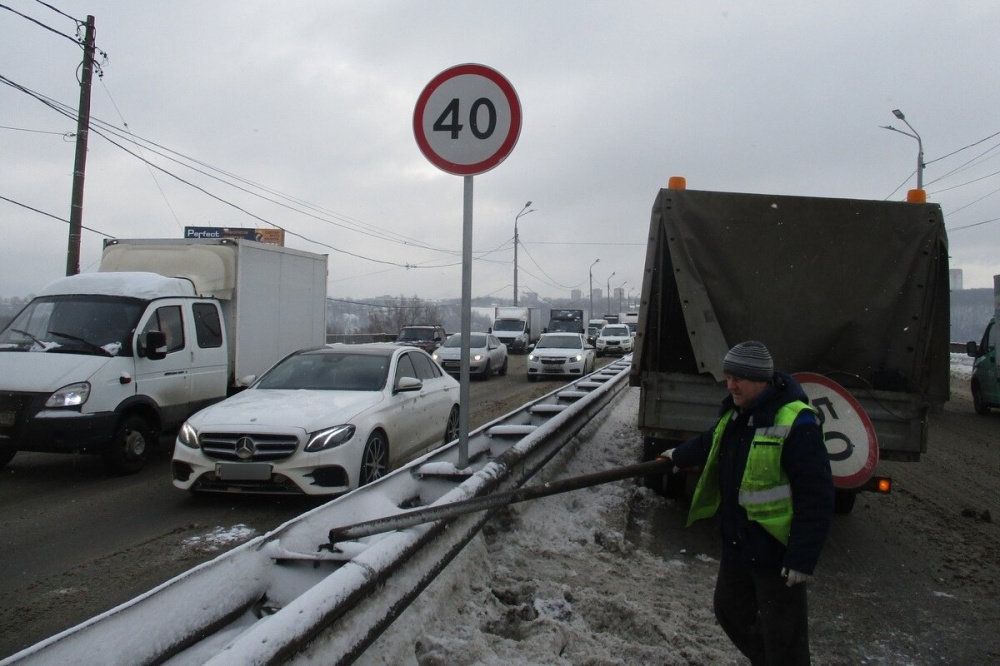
866	471
512	135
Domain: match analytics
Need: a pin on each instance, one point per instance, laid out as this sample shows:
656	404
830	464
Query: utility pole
524	211
80	166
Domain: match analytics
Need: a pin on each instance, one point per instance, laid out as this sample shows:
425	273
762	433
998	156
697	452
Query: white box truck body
102	362
517	327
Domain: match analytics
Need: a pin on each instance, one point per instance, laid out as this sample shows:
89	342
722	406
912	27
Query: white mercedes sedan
321	421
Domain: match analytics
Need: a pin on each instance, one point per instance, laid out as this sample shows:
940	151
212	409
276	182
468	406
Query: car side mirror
155	345
406	384
972	349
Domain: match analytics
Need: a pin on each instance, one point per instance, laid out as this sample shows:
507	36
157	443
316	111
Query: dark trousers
766	620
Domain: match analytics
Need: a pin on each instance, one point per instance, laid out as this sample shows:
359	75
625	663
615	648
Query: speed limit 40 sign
467	119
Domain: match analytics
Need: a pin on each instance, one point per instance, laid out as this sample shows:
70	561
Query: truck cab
102	362
985	387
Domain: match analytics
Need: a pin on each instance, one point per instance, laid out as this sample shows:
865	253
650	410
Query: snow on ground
219	538
557	581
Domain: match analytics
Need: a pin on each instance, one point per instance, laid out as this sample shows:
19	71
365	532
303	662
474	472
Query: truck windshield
565	326
508	325
77	324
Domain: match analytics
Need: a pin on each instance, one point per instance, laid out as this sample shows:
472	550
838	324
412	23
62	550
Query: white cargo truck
103	362
517	327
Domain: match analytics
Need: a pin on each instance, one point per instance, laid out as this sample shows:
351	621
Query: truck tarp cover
854	289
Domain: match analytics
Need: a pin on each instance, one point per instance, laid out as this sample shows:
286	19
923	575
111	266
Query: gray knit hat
749	360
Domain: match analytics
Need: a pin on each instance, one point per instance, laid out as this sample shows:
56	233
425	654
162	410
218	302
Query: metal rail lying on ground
290	596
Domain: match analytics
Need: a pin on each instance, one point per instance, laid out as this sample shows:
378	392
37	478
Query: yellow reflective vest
765	493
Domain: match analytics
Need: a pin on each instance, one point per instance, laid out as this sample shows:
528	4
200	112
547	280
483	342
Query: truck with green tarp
853	290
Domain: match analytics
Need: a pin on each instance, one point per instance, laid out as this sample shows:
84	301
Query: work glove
667	455
793	577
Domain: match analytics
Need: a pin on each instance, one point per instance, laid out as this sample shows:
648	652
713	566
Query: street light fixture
920	145
524	211
609	291
592	313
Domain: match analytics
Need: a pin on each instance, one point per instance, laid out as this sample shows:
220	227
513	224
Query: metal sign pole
463	417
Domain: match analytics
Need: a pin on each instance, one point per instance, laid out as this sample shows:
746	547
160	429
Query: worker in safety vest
767	474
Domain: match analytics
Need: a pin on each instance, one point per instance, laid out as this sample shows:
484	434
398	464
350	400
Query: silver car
487	355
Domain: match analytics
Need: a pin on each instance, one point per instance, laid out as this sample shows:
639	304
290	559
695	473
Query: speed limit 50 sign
467	119
849	435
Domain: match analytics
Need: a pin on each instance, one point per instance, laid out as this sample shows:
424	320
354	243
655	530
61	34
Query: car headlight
435	357
330	437
578	357
188	436
477	358
531	357
73	395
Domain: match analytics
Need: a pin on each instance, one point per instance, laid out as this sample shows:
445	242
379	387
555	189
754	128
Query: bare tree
393	315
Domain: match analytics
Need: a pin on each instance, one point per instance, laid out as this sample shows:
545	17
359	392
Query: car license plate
243	471
7	418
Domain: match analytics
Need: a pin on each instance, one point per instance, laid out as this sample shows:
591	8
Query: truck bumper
24	426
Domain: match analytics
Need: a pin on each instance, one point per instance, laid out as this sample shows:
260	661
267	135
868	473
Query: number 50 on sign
467	119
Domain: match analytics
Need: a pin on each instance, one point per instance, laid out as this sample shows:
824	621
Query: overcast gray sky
309	104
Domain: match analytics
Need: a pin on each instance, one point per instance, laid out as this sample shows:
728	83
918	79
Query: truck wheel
843	501
375	459
451	427
130	446
977	400
7	456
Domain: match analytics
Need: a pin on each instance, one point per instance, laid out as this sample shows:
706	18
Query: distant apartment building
955	278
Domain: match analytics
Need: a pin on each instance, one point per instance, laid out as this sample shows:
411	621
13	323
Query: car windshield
416	334
476	341
620	331
559	342
323	371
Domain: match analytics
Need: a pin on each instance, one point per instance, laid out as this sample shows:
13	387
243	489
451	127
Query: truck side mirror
972	349
155	345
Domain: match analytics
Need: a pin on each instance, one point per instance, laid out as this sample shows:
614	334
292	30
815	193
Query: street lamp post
593	314
609	291
621	290
920	145
524	211
629	299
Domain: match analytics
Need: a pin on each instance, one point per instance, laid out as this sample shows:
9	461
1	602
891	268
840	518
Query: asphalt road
76	541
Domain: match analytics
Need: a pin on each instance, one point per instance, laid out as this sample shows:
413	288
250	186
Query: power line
60	12
75	40
54	217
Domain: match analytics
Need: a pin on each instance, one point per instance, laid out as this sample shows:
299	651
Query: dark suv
427	337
